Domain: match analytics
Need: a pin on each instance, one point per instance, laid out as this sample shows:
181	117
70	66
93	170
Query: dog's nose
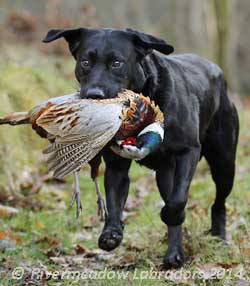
95	93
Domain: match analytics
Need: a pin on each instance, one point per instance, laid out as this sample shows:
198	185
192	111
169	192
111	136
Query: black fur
200	120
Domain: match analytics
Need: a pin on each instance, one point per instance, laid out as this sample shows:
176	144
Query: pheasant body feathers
138	113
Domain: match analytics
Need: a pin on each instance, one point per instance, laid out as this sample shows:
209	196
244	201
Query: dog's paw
174	258
218	225
110	238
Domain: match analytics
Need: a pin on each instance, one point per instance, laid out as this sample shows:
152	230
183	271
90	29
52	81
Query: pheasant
18	118
130	124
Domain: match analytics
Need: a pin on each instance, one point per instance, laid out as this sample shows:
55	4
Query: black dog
200	120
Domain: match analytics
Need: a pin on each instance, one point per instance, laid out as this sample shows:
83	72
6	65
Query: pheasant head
141	131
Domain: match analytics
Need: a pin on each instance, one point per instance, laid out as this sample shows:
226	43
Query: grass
45	233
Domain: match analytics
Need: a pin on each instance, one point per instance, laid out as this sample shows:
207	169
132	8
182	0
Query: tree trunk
222	16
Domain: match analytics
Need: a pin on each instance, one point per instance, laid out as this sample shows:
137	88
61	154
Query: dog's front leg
173	183
116	181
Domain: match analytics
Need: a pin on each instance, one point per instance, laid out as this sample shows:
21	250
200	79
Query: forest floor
41	241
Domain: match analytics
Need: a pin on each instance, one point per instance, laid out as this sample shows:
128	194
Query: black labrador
200	120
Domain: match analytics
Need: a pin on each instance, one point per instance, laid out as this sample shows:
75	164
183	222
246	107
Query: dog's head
109	60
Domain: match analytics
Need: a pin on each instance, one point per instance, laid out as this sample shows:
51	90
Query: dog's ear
146	43
72	36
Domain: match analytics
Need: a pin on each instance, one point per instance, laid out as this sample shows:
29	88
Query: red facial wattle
129	141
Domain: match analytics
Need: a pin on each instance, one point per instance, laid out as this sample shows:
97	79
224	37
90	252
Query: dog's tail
15	118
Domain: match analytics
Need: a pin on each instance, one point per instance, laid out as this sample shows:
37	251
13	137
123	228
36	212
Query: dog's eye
116	64
85	64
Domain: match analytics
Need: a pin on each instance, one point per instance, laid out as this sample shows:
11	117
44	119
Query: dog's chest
155	160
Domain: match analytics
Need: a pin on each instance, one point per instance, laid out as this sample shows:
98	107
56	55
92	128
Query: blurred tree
221	10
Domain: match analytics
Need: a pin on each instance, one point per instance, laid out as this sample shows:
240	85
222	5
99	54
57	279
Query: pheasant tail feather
16	118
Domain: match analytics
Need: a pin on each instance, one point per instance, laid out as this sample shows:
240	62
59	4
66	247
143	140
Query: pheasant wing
82	128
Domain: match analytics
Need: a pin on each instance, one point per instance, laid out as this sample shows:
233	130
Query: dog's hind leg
219	150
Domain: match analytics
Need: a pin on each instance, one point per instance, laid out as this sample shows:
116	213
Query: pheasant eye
117	64
85	63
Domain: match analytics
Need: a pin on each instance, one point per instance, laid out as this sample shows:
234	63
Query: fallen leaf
11	235
80	249
127	260
58	260
83	250
133	247
52	252
228	266
39	224
52	241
